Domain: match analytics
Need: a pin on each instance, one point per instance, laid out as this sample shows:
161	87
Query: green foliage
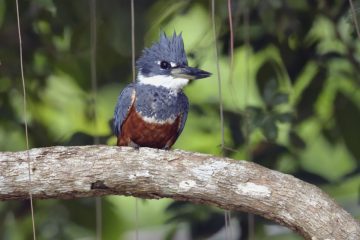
291	100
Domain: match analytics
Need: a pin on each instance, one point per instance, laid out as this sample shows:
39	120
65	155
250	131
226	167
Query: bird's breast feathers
154	119
157	105
148	131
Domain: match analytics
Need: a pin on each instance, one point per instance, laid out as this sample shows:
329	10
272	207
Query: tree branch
87	171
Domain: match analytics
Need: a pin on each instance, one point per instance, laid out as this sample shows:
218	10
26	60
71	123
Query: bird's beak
189	73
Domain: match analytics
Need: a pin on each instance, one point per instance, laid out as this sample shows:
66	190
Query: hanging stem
353	14
134	79
218	75
93	43
226	213
133	40
25	119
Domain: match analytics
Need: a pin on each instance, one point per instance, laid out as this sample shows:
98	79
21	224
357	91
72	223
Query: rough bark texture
84	171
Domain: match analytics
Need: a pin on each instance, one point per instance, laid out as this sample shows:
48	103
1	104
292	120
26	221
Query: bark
87	171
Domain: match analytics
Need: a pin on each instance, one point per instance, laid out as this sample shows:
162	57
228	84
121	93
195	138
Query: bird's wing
123	105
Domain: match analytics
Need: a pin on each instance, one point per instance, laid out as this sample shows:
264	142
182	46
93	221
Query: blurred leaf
203	220
125	206
324	30
267	153
166	12
305	107
206	128
347	116
279	98
184	23
269	129
346	189
170	235
5	84
62	107
235	122
177	205
284	117
270	88
314	178
256	116
2	11
321	157
266	80
12	140
296	140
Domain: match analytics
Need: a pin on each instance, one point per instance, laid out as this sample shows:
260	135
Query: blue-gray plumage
152	102
169	50
152	112
122	107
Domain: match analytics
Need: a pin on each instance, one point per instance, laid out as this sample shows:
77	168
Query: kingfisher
152	111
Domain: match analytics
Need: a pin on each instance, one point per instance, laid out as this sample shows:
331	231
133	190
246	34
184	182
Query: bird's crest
167	48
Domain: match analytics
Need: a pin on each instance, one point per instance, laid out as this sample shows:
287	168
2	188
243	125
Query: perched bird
152	112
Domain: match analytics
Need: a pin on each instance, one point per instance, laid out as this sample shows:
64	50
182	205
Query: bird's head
165	64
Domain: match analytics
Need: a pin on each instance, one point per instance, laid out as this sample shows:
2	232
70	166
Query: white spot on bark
205	172
78	183
139	174
314	201
186	185
253	190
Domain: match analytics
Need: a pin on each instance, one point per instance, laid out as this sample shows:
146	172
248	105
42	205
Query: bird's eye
165	65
